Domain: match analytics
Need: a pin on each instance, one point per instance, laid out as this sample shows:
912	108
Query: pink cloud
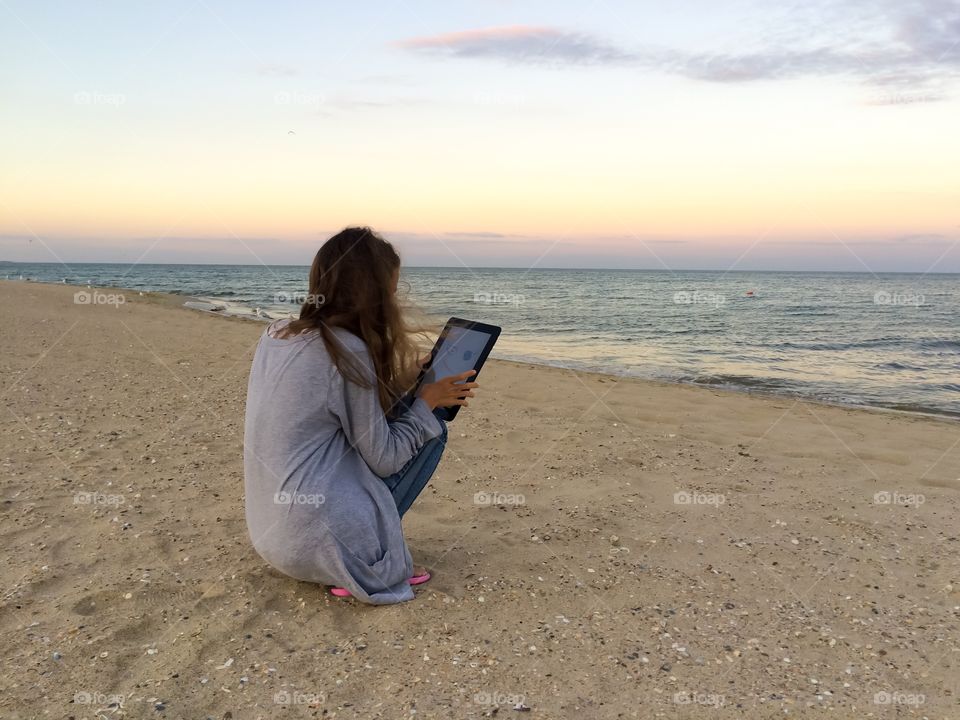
467	37
528	43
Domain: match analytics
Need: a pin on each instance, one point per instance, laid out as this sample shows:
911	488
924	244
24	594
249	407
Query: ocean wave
741	381
802	312
893	365
940	344
868	344
216	293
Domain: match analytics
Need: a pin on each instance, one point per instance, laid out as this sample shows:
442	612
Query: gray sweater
315	449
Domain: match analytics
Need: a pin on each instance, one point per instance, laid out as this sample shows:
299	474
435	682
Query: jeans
413	477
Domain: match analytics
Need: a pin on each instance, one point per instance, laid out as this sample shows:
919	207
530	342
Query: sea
886	340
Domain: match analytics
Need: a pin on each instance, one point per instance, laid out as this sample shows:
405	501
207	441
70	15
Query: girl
334	455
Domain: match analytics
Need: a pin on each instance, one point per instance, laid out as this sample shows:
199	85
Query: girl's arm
386	446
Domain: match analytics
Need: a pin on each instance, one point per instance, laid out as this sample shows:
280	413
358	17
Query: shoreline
172	298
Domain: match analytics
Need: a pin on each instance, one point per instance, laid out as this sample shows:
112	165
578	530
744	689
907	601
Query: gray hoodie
315	449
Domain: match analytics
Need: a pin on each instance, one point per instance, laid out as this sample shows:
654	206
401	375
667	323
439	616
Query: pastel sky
741	134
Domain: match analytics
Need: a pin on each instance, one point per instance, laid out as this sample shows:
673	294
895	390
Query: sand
637	550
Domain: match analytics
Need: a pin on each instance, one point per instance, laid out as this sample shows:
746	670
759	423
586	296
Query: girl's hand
449	391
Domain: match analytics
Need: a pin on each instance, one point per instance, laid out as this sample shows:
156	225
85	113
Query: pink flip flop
415	580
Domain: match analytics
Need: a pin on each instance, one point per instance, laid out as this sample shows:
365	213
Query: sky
737	134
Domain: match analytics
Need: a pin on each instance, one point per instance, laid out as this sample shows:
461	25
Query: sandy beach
601	547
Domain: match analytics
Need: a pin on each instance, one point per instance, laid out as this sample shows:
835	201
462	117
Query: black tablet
463	345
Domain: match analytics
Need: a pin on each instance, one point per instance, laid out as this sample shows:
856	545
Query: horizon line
494	267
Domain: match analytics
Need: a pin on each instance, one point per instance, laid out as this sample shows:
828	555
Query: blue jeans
413	477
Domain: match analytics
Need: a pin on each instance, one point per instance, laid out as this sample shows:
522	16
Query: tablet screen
459	352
